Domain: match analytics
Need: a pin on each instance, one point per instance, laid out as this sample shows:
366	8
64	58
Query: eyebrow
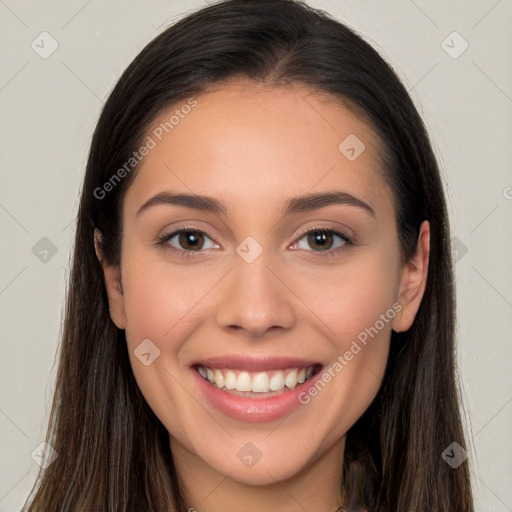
299	204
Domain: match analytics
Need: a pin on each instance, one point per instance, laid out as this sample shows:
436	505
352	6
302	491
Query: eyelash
164	239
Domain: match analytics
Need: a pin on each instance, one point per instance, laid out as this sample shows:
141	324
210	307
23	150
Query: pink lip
253	410
254	364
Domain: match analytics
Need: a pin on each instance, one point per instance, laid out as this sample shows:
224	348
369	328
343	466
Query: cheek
351	297
164	304
355	304
159	306
155	299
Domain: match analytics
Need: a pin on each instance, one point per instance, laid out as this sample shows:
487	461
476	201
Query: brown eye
322	239
191	240
187	240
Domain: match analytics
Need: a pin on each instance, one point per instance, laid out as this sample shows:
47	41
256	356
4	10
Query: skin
254	146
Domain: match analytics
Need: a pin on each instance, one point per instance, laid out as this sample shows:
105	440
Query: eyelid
185	226
348	240
345	233
165	237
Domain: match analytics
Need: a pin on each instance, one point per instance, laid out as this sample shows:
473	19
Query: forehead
253	144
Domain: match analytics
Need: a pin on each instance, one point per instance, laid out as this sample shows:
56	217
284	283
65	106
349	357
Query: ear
112	274
413	280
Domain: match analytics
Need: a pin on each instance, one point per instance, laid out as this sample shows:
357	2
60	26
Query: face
258	319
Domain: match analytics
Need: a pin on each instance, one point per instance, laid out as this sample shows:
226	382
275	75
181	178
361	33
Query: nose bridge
253	298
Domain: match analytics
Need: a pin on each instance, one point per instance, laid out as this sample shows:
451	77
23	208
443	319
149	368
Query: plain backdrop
49	107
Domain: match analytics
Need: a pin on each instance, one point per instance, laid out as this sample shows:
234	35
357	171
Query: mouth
257	384
254	388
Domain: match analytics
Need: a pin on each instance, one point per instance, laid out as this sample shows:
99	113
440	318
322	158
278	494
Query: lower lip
253	410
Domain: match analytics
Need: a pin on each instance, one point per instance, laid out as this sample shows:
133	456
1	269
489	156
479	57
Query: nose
255	299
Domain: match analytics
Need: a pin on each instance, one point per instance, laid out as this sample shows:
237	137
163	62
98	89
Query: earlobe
113	284
413	281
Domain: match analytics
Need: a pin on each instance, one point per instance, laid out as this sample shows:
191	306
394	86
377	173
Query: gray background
49	108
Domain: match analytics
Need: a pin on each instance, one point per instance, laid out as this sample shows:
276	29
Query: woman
212	357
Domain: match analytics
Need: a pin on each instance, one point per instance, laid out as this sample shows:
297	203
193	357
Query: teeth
244	383
291	379
219	378
277	381
256	382
230	380
260	383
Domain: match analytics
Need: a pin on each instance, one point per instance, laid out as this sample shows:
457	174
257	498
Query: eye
324	239
187	240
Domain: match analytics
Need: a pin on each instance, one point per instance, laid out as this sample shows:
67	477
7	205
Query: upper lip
255	364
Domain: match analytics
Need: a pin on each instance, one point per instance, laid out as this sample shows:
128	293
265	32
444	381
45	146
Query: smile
248	382
254	388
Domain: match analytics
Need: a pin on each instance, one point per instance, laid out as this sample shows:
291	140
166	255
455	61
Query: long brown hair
114	453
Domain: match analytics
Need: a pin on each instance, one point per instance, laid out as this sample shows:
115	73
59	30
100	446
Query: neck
314	487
